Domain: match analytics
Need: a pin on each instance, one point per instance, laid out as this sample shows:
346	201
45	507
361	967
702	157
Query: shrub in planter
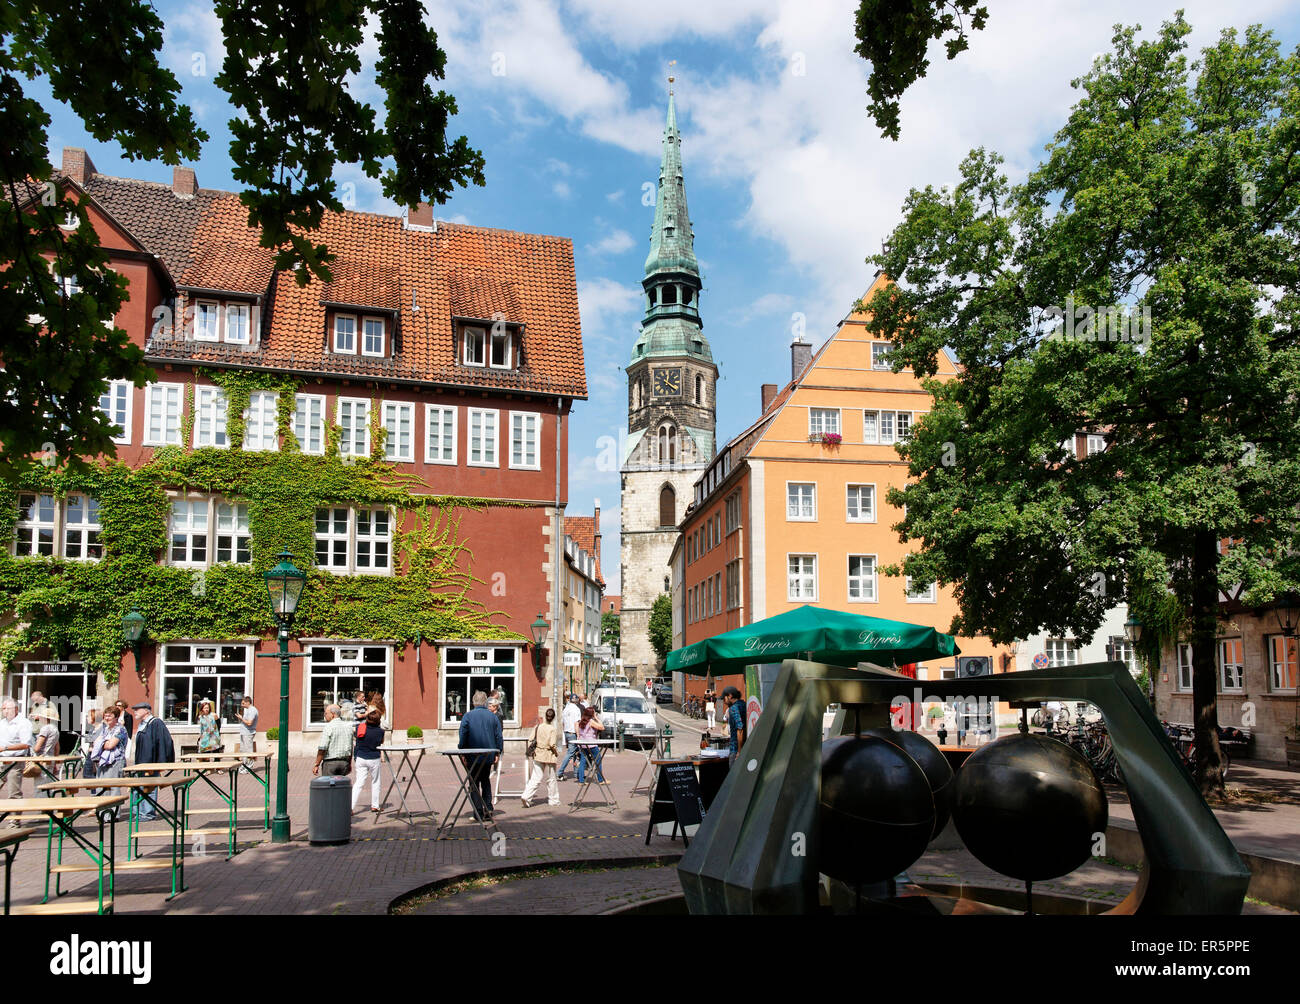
273	734
414	732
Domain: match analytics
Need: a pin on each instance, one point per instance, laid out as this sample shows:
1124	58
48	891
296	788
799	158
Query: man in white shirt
247	716
15	740
572	712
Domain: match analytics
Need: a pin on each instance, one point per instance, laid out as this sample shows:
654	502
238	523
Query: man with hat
15	740
153	744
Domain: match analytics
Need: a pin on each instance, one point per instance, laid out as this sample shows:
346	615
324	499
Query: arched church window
667	506
672	445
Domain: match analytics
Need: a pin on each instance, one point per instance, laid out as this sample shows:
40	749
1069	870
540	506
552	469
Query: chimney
184	182
419	217
769	395
800	357
77	164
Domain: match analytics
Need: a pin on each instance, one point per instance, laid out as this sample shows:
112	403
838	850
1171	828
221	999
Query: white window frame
470	440
348	433
34	526
201	330
245	311
872	582
191	529
82	530
493	337
860	518
1274	677
818	419
161	394
874	421
432	413
373	539
1067	649
302	423
342	664
794	579
877	364
256	417
459	672
363	335
238	529
1183	666
1094	444
332	535
173	680
790	507
352	537
393	411
1239	665
533	418
901	419
475	336
334	340
930	595
211	409
119	392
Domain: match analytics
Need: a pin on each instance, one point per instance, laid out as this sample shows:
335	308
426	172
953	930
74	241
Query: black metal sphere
937	769
876	810
1028	806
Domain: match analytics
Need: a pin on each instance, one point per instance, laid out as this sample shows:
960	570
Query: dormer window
372	336
501	350
345	333
205	321
237	315
475	347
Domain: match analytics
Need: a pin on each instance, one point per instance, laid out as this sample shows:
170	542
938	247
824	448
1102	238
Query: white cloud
601	302
615	196
613	243
562	190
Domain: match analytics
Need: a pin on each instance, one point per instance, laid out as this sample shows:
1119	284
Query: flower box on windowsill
826	438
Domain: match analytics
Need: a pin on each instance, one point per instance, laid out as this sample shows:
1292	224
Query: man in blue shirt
481	729
735	720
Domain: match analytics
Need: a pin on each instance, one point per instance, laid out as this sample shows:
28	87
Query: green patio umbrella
809	632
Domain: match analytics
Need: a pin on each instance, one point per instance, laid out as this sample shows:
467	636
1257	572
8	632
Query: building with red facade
400	429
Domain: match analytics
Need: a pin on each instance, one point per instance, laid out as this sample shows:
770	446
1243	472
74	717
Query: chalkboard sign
677	799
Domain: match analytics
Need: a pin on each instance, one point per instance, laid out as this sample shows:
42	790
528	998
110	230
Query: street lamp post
284	585
133	634
1133	632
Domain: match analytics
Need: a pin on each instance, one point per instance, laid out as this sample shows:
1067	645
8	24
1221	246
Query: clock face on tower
667	382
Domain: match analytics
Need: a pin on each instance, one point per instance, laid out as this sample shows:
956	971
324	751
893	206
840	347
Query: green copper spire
671	326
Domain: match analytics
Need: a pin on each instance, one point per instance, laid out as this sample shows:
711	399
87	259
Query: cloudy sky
789	184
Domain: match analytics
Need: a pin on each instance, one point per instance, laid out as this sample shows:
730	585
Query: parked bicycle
1183	738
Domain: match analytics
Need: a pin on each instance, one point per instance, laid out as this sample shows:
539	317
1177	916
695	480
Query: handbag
531	749
32	770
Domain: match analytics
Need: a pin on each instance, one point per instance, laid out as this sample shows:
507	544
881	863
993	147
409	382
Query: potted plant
273	734
414	732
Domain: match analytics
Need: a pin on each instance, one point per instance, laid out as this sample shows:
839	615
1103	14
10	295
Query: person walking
369	737
569	719
735	721
334	754
589	729
153	744
709	709
542	763
209	729
15	740
480	729
247	717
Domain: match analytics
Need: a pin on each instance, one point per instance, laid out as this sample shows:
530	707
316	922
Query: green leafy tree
285	73
1173	189
609	630
661	625
893	36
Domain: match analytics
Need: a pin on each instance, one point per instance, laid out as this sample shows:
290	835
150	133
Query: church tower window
667	506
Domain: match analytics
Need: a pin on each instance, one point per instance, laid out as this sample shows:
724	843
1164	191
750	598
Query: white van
623	705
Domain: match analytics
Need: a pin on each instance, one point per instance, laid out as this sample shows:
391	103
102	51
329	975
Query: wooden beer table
62	813
9	841
262	777
194	770
180	797
66	764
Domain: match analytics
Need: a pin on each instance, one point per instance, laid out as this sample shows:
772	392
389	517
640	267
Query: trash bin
329	810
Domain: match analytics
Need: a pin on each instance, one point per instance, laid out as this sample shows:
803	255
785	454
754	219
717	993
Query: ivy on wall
77	607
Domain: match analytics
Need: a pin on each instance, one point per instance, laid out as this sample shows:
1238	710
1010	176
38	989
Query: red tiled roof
582	529
205	241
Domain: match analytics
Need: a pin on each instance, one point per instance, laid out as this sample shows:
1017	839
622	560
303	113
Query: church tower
671	407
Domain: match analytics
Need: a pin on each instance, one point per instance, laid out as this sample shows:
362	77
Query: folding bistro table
500	766
594	773
468	779
180	787
62	813
406	764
